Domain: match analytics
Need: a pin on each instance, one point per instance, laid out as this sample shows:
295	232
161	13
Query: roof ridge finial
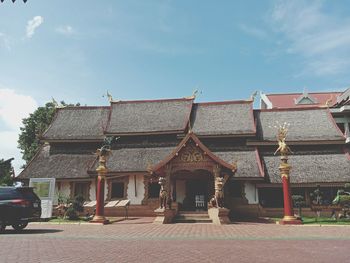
57	105
305	92
194	94
328	102
109	96
189	127
252	97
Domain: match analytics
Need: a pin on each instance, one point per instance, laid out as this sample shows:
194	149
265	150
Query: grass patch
325	221
60	220
320	221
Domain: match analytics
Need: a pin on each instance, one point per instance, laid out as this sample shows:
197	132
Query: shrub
75	207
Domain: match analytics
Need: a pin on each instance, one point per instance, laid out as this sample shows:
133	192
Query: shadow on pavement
31	231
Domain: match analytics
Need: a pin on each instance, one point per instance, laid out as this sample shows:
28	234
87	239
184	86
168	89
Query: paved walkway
140	241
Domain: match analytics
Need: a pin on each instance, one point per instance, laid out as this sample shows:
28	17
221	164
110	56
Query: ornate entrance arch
192	189
192	155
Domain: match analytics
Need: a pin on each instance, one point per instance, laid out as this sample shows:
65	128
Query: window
153	190
271	197
81	189
236	189
117	190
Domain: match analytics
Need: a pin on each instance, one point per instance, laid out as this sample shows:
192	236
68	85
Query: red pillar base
290	220
100	220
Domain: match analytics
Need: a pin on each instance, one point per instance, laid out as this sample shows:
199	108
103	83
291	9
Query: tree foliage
6	171
34	126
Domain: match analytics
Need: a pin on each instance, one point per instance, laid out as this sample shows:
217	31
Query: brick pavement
141	241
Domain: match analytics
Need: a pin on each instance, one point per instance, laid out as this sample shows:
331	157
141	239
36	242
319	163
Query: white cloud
252	31
13	108
65	30
33	24
321	38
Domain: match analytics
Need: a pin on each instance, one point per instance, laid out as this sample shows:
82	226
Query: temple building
191	144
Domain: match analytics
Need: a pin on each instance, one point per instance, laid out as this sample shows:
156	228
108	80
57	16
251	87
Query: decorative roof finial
328	102
194	95
254	94
109	96
189	127
56	104
234	165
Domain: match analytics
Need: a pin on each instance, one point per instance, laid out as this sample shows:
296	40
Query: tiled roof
142	117
78	123
310	168
305	124
247	163
134	159
223	118
46	165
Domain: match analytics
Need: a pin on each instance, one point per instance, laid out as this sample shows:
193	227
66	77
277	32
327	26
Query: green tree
6	171
34	126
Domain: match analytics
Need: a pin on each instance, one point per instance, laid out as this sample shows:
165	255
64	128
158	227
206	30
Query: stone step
194	215
192	220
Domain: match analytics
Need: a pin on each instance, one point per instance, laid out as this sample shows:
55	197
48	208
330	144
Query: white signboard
45	189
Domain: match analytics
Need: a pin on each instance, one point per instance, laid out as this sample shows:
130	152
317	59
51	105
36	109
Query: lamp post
289	218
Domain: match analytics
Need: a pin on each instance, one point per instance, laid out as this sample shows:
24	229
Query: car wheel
2	227
19	226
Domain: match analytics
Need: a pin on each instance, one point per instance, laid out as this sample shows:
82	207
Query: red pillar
100	199
289	218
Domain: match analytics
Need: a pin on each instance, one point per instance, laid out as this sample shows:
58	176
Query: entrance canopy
191	154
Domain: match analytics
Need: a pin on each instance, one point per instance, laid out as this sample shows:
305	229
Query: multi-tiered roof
151	131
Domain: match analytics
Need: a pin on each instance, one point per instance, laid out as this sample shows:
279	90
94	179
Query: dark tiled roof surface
305	125
78	123
311	168
45	165
247	163
226	118
135	159
149	116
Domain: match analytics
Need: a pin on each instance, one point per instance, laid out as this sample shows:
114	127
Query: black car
18	207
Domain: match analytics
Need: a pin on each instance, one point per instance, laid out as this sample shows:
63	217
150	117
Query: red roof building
299	100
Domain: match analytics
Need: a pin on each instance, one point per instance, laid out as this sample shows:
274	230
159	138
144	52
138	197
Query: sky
77	50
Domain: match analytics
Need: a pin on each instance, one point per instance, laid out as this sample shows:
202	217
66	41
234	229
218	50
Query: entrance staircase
192	217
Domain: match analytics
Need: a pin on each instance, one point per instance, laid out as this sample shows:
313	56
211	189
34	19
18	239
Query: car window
9	193
28	193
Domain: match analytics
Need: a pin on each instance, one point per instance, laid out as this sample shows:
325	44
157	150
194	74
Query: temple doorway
194	190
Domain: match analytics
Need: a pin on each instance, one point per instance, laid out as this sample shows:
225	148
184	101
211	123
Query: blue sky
76	50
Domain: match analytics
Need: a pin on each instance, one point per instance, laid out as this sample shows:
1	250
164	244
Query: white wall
106	189
180	190
251	193
92	194
64	191
136	198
